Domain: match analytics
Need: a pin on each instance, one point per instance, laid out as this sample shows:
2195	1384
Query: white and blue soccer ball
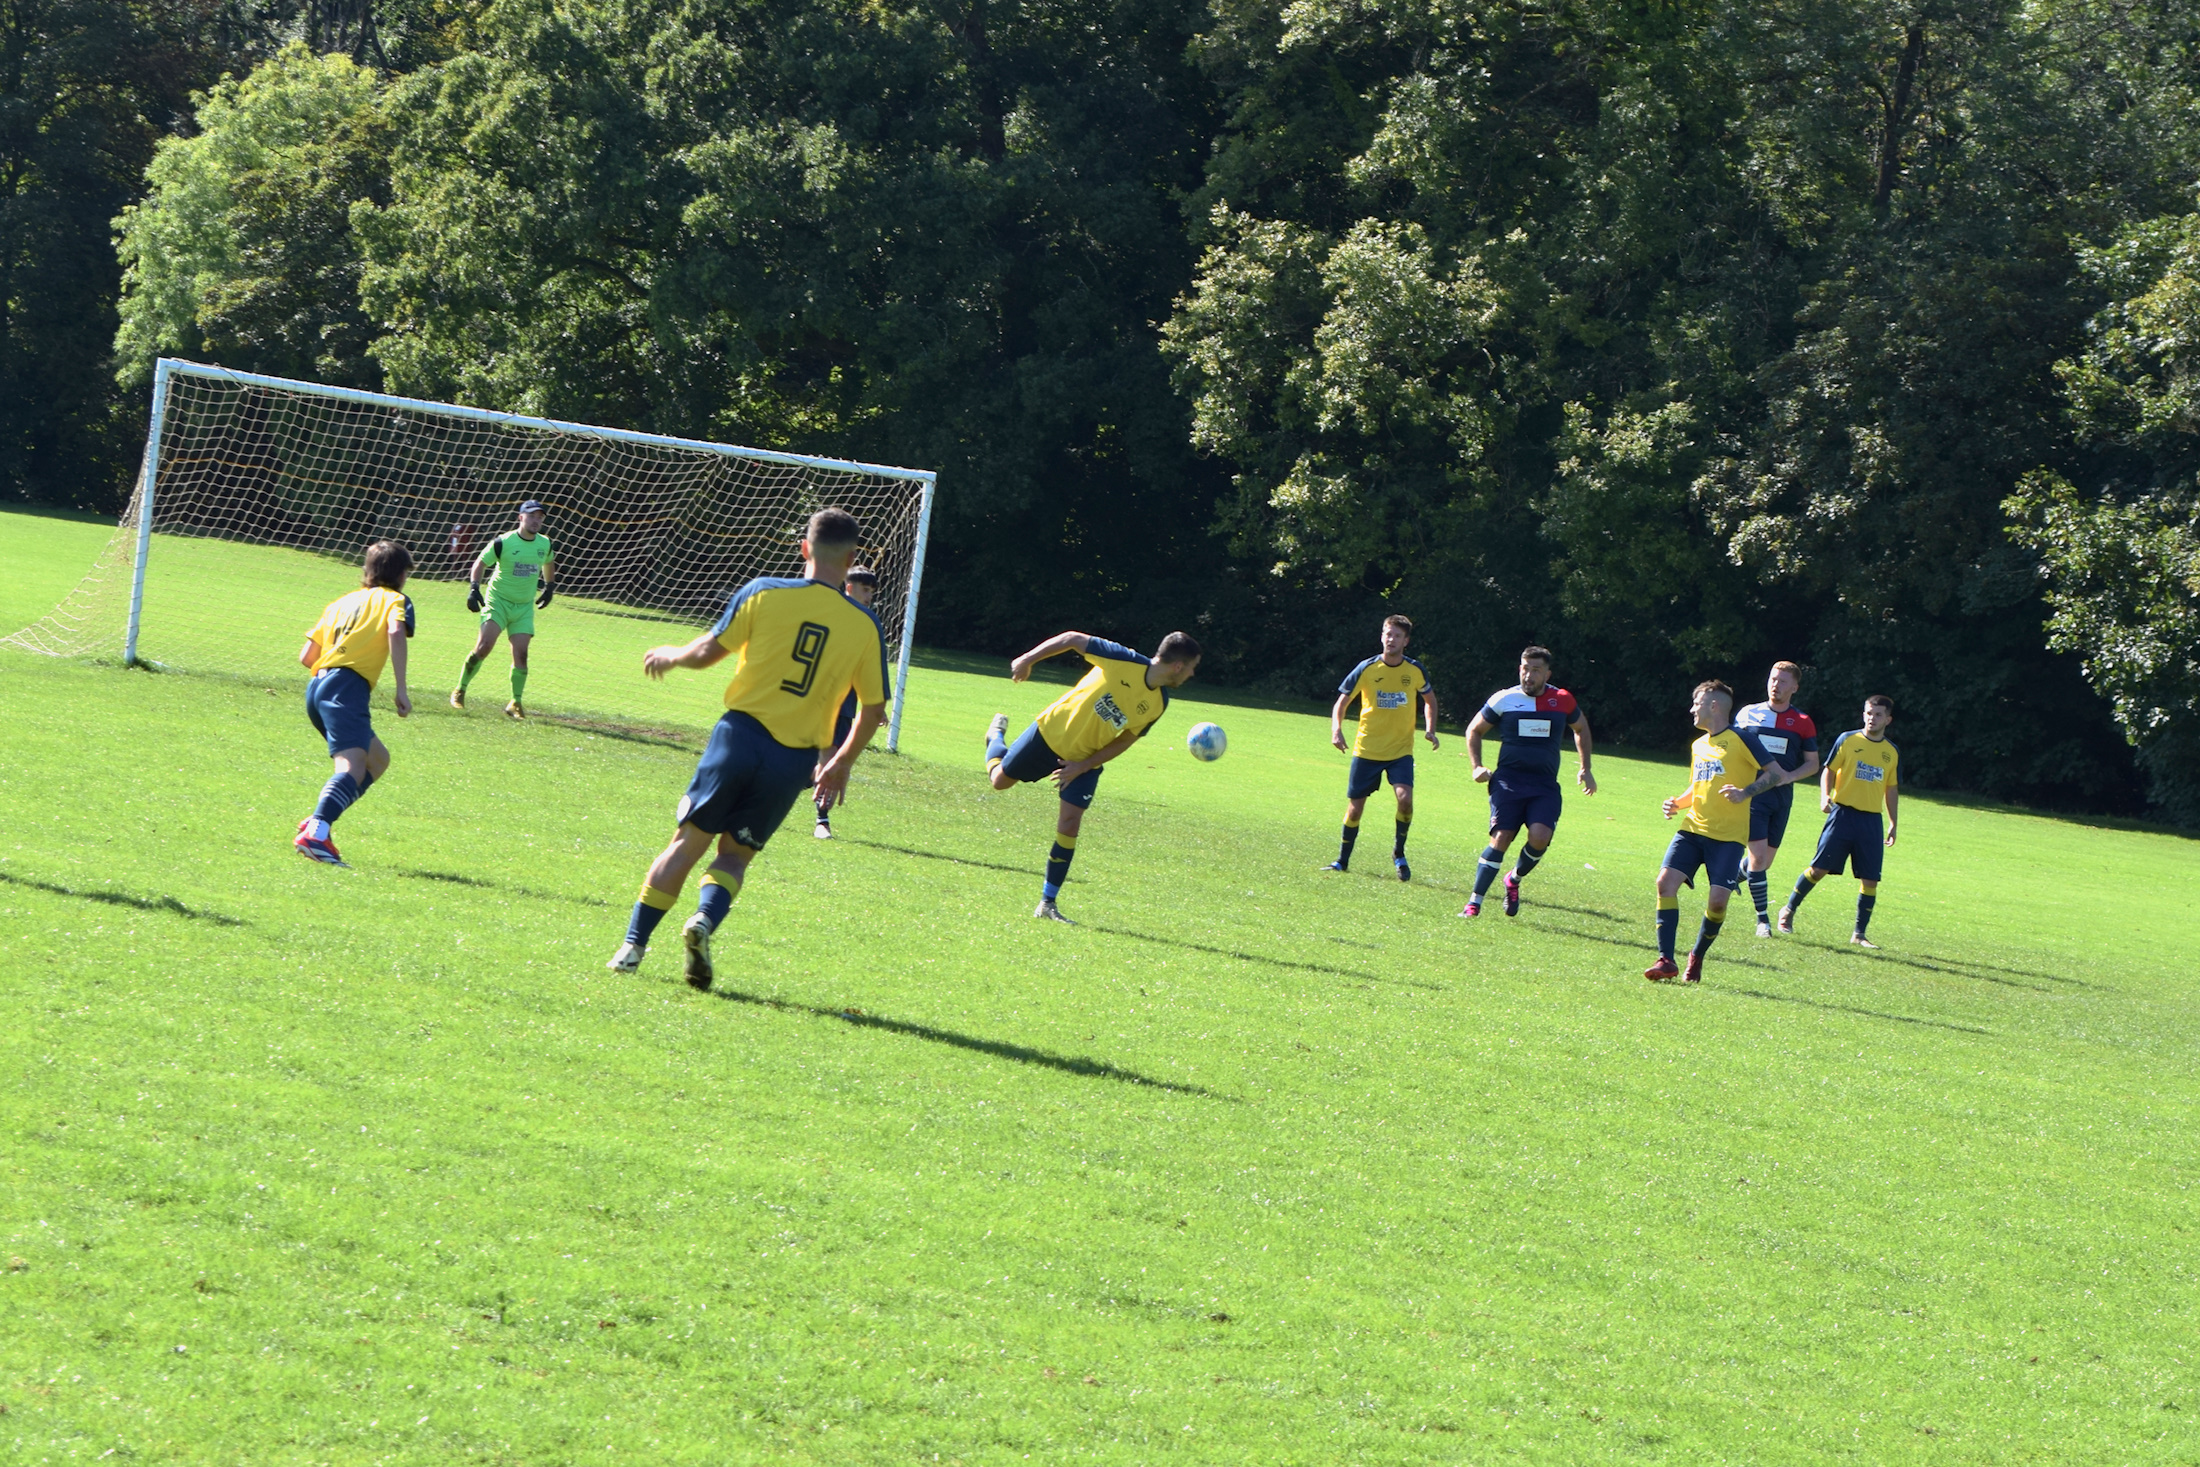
1207	742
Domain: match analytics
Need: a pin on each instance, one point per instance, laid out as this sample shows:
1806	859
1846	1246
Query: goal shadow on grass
166	904
1022	1054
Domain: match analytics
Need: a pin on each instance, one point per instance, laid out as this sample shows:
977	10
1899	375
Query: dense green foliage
1257	1165
1680	337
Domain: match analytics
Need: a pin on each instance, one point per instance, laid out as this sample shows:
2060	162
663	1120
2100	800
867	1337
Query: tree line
1678	336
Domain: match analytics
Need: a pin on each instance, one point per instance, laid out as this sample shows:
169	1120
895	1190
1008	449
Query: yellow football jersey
1112	700
1390	706
802	645
1729	756
1863	771
354	631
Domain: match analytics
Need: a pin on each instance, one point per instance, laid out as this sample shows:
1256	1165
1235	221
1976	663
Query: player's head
1785	678
1878	713
1535	670
388	564
829	543
1712	706
861	587
530	517
1175	660
1397	631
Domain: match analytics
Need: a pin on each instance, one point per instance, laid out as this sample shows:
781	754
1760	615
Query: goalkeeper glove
547	592
473	598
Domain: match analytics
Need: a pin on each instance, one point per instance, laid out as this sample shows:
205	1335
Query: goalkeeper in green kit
520	570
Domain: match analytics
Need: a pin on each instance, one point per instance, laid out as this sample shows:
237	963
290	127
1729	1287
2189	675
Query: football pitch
1256	1165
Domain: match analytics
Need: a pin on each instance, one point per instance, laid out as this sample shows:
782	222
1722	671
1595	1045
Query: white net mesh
267	492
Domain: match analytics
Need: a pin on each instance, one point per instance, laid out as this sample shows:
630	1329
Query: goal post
251	485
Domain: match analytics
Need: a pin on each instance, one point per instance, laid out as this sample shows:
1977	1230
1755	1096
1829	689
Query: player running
1790	739
1387	686
801	645
1857	783
1122	697
1714	813
359	633
520	571
1529	719
862	589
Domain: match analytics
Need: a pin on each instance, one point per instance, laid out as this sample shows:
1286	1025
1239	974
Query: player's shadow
1264	959
1022	1054
1842	1008
1968	967
1725	958
166	904
453	878
879	845
1883	956
1602	916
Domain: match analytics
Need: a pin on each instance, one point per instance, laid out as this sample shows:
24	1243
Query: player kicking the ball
1524	789
1729	768
1388	686
801	644
357	636
1122	697
520	570
862	588
1857	783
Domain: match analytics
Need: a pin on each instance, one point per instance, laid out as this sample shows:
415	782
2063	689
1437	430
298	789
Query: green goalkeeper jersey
515	567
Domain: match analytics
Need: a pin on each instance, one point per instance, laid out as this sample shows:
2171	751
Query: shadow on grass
1022	1054
879	845
166	904
686	742
1842	1008
452	878
1262	958
1724	957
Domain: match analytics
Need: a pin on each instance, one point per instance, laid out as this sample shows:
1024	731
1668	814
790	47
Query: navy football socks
337	796
1529	855
1485	870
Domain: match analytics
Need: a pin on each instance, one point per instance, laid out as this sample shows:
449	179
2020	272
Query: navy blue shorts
846	723
1719	860
746	782
1768	815
336	702
1031	760
1367	775
1854	838
1517	802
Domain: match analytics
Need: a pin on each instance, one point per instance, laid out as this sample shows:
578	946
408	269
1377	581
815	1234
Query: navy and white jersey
1531	729
1786	734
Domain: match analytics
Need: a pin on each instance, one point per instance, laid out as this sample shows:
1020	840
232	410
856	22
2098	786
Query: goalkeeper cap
532	506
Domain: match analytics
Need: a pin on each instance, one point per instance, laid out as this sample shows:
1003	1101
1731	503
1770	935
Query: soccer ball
1207	741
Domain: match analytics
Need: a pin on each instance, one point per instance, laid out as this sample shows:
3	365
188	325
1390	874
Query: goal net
259	494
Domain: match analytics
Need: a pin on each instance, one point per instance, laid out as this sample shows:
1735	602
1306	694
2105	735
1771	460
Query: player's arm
473	577
700	653
832	780
1428	716
309	654
1769	777
1894	804
1825	790
1053	646
1121	742
1584	745
400	650
549	574
1478	727
1807	768
1336	721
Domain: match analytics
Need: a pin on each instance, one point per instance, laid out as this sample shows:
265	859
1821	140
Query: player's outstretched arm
1894	804
1336	721
1053	646
832	780
400	650
1583	746
1121	743
1478	728
700	653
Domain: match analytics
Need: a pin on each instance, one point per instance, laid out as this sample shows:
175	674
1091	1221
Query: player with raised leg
1122	697
520	568
1387	686
1857	784
1790	739
1714	812
359	634
1529	719
862	589
800	645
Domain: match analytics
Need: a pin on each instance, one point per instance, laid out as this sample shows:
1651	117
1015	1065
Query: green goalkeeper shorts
517	618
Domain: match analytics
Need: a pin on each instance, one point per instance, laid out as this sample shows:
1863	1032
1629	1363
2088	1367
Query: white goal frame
170	368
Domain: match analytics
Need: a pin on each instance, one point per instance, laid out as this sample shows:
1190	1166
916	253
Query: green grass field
1257	1165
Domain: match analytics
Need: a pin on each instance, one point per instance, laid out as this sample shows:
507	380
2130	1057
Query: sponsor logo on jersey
1709	769
1774	743
1390	700
1533	728
1109	712
1870	772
